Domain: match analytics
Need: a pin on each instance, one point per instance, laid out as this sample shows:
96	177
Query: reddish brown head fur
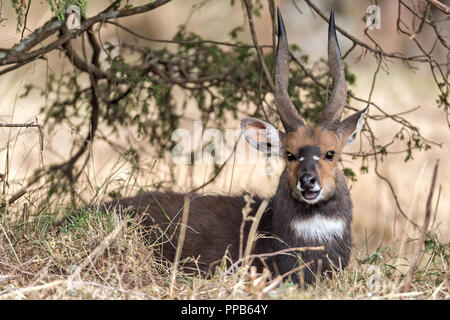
311	152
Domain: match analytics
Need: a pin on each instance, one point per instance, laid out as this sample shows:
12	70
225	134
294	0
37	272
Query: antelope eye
290	156
330	155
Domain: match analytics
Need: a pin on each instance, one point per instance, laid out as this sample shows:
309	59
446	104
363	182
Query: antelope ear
349	127
262	135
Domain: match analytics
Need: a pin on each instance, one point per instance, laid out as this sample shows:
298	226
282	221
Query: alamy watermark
73	20
373	17
374	281
213	146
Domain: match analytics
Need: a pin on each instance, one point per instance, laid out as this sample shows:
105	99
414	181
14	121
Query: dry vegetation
96	254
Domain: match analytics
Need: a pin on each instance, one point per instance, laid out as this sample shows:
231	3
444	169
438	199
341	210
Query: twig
43	272
258	48
19	125
217	172
364	45
199	42
412	270
22	191
422	22
26	125
440	6
24	220
401	295
25	20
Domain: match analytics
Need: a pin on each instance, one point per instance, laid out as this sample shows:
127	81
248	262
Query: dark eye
290	156
330	155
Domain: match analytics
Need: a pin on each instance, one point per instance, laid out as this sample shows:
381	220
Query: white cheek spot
316	158
319	228
301	159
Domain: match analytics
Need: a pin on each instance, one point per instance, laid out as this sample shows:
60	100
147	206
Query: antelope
311	206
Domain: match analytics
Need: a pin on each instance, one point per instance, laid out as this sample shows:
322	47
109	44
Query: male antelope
312	205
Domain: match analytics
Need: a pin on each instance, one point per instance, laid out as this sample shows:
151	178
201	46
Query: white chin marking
319	228
311	201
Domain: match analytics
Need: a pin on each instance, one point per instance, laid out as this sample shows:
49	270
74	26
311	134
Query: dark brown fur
214	227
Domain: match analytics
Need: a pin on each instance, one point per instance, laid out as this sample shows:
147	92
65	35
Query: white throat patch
319	228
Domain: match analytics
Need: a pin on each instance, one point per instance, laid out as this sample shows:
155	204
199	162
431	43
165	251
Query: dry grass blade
402	295
253	229
245	212
272	254
416	259
183	228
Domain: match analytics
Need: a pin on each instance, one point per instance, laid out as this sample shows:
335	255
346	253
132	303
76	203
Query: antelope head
311	152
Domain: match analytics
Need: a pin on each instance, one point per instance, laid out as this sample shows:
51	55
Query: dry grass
99	255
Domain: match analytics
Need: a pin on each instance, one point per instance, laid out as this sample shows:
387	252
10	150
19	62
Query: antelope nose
307	181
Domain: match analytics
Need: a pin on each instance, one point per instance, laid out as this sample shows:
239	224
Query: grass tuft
97	254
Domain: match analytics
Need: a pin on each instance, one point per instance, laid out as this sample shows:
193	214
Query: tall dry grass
100	254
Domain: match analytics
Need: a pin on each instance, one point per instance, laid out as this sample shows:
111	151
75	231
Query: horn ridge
333	111
286	110
282	59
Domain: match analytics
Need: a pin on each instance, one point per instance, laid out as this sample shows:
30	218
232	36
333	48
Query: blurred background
397	89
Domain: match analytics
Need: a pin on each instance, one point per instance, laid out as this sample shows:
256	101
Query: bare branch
20	54
440	6
377	50
258	48
219	43
26	125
